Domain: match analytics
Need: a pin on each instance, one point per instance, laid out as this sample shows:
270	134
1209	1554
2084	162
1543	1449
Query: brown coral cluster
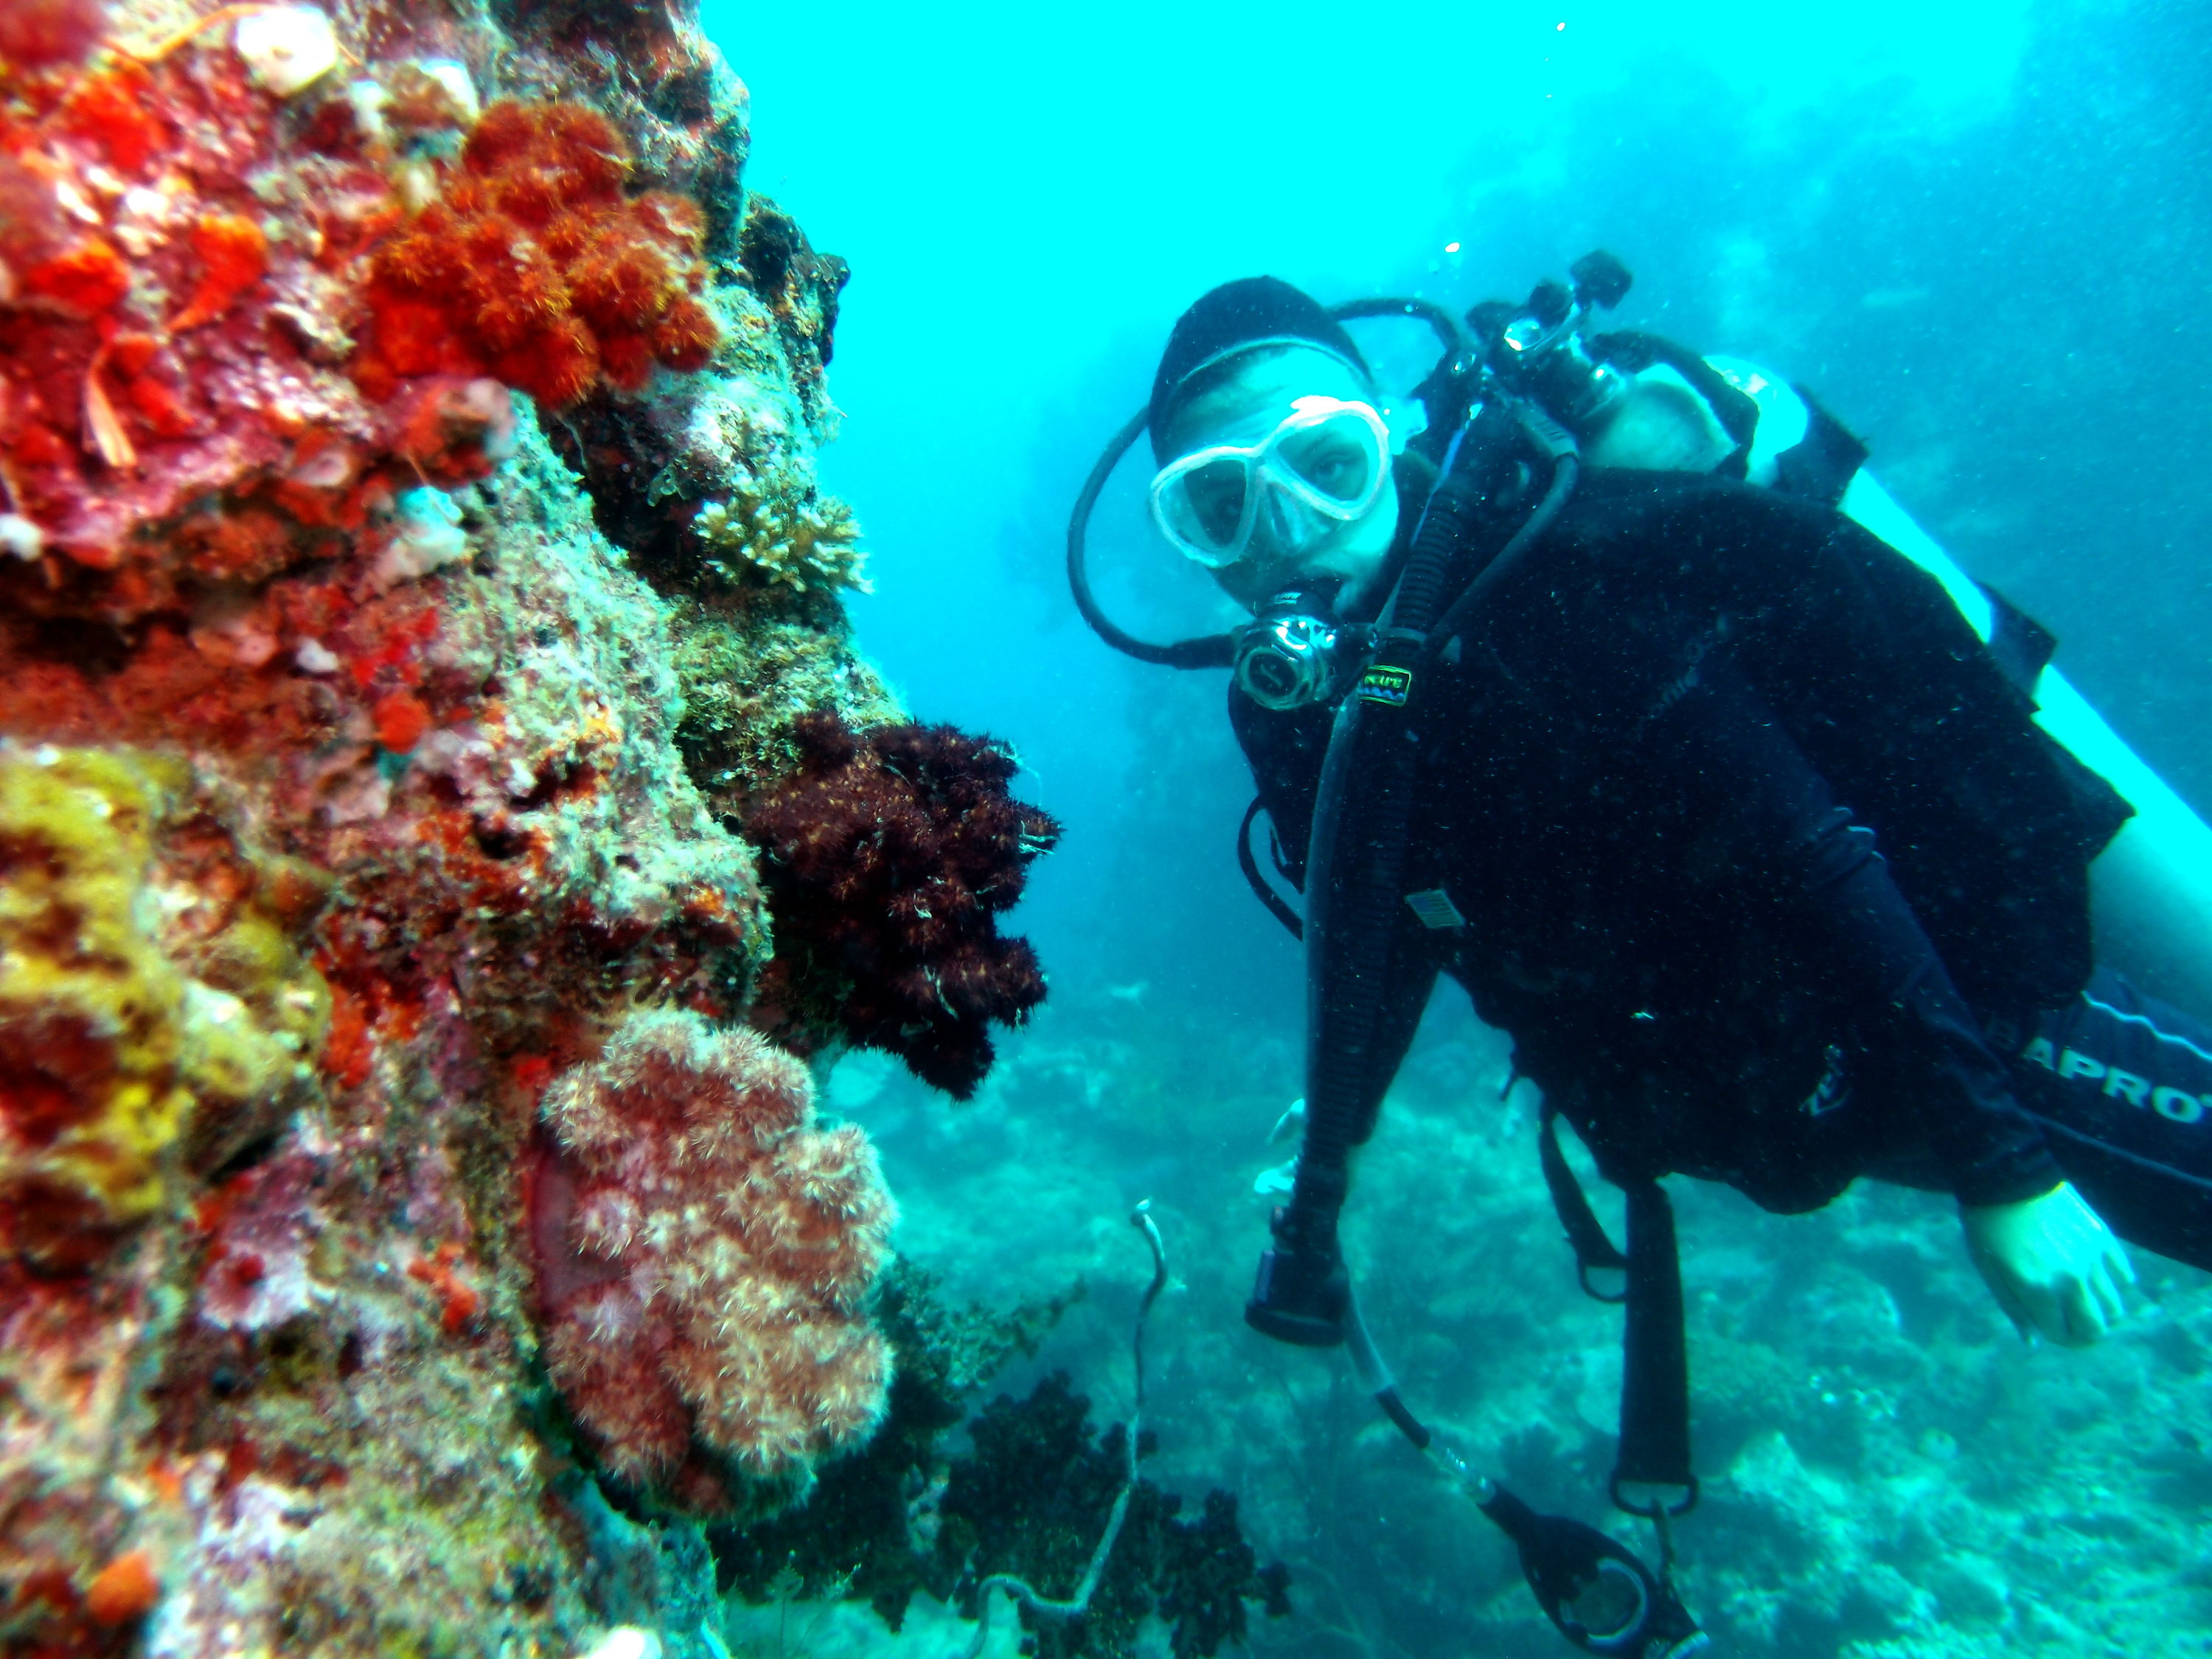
705	1251
803	546
890	856
536	267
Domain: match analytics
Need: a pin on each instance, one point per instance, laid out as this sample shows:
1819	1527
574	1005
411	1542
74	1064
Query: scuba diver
1625	699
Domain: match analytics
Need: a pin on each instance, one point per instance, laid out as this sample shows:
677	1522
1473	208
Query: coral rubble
387	1153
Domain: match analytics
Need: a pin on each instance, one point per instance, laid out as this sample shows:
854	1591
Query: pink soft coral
705	1252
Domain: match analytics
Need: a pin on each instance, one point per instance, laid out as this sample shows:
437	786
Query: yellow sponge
154	1010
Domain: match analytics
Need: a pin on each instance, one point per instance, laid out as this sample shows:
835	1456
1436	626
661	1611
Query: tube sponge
705	1252
153	1013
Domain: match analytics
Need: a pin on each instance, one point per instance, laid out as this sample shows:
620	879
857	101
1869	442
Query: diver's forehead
1249	402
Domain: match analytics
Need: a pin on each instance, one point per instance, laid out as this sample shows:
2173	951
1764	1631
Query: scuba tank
1636	401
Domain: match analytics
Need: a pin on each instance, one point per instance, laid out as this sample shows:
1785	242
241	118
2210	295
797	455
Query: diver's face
1244	409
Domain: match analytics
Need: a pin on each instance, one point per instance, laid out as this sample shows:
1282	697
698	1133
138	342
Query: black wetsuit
1761	859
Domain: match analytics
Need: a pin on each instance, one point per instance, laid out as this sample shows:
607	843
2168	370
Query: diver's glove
2052	1264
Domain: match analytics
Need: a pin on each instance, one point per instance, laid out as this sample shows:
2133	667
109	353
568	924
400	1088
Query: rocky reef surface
422	668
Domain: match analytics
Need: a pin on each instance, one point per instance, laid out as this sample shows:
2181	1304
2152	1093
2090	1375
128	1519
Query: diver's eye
1333	460
1216	494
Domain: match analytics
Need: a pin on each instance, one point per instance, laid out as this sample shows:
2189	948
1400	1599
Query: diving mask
1325	465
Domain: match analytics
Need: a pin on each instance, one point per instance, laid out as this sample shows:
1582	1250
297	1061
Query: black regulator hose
1450	336
1566	470
1355	893
1206	651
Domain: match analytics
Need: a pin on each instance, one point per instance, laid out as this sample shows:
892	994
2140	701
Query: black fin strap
1654	1379
1585	1232
1563	1559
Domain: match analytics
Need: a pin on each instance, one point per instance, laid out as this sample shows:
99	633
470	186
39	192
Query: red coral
87	278
704	1251
348	1052
890	856
536	268
153	359
35	34
234	256
114	110
458	1301
401	720
125	1590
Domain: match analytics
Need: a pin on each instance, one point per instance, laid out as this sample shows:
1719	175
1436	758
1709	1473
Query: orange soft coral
115	110
85	279
536	267
234	256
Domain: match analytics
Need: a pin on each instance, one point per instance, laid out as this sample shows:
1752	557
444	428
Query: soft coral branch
890	855
537	267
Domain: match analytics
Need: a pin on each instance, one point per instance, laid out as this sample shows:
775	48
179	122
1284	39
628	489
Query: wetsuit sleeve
1825	871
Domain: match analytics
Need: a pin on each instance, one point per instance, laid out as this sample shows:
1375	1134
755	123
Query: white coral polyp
606	1222
287	49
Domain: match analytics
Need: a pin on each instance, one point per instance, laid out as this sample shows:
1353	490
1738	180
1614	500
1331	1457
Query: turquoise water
1980	233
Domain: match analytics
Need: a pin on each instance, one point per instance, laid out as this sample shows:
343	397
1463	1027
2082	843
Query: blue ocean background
1981	233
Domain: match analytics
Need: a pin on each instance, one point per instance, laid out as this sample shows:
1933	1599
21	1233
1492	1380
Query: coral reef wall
412	573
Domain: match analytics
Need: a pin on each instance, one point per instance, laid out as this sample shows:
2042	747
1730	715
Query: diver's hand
2052	1264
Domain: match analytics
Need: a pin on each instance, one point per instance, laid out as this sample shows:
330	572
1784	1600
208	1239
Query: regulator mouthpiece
1291	654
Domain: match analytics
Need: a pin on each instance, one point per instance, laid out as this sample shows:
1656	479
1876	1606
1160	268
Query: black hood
1233	318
